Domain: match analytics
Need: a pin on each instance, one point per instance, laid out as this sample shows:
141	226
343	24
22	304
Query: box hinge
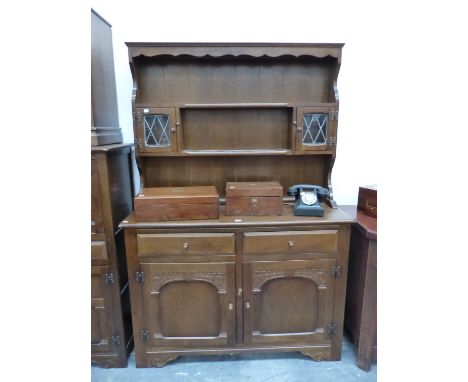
334	115
332	328
109	278
144	335
336	271
115	340
139	277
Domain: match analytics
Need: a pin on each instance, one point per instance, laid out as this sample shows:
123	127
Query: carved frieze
218	279
261	277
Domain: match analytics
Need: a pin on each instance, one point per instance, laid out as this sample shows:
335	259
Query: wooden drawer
291	242
98	250
186	243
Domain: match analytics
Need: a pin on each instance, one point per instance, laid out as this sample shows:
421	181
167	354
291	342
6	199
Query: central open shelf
241	128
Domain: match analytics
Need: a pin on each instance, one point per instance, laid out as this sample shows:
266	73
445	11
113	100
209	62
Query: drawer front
98	250
291	242
186	243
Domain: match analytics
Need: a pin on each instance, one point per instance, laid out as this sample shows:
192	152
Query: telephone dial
308	198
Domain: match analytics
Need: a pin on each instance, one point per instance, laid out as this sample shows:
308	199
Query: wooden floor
290	367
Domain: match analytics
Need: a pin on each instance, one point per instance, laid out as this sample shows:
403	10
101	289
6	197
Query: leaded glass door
316	128
156	130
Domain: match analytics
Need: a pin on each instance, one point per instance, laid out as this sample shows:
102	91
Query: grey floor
288	367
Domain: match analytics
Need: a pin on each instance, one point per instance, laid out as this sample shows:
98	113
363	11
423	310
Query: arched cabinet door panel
288	301
188	304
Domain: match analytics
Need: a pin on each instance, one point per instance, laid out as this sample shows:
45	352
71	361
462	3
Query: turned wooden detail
218	279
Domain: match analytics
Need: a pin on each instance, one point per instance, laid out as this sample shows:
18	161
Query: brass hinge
109	278
115	340
139	277
332	328
139	142
137	116
144	335
336	271
334	115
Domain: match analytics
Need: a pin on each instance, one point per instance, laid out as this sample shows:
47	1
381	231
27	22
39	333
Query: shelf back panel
200	171
236	129
234	80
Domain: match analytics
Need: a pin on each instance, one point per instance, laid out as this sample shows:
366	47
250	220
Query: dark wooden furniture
367	200
104	113
177	203
361	295
254	198
111	201
214	113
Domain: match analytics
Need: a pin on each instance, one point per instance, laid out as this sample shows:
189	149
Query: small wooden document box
254	198
177	203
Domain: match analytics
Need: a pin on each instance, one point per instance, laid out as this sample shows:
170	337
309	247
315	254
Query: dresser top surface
332	216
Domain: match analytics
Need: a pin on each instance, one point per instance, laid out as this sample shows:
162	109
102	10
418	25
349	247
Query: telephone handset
307	199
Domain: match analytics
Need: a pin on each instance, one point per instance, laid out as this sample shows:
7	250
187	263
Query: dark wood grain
177	203
234	284
111	201
179	171
367	200
232	128
361	301
254	198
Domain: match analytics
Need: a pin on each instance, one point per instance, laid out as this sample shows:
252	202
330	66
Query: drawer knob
185	246
247	305
290	243
239	292
230	306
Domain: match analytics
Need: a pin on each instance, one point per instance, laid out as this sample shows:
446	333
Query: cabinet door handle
290	243
247	305
230	306
239	292
185	246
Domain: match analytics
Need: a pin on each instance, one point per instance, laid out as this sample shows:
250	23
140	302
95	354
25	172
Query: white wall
244	21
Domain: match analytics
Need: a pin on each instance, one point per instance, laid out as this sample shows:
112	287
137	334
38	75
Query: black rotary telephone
308	198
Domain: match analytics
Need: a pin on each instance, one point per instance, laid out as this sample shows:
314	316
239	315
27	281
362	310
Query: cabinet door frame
103	304
171	129
330	139
257	273
221	275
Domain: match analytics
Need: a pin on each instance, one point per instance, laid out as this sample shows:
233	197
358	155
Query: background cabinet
111	201
361	298
105	128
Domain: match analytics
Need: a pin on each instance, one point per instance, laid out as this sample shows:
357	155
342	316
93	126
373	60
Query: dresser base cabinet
269	284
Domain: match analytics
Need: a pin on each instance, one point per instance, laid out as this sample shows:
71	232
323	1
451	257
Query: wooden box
177	203
367	200
254	198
